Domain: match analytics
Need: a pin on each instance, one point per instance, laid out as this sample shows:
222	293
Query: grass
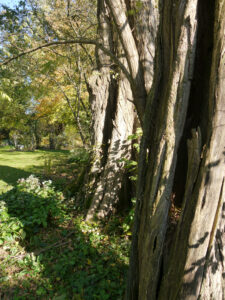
70	259
15	164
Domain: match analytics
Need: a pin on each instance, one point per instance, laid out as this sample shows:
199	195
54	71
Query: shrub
34	203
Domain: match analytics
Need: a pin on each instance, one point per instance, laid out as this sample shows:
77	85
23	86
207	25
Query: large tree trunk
200	272
187	101
181	111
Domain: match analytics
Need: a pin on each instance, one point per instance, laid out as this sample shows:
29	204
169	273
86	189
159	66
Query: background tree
58	72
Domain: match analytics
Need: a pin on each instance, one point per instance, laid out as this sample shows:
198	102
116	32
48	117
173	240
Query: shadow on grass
70	260
10	175
55	155
47	161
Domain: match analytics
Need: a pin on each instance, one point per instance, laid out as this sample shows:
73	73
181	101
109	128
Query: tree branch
75	41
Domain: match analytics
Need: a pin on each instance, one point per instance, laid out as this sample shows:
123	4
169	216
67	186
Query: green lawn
17	164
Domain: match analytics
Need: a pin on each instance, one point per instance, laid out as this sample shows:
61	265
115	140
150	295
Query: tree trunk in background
37	135
185	106
114	119
52	145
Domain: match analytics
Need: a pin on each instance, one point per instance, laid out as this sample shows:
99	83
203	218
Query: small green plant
129	220
136	138
11	228
129	164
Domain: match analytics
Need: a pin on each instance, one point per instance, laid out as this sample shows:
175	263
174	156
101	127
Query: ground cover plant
48	251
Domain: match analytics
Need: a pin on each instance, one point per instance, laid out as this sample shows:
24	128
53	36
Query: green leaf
41	291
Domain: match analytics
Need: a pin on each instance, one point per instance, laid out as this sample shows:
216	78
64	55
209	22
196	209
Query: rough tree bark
185	105
114	119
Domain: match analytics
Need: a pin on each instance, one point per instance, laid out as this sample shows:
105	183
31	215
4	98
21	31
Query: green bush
34	203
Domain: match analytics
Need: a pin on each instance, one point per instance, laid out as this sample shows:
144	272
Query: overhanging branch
69	42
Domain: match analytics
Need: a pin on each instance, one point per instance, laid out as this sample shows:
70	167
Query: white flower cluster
33	183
